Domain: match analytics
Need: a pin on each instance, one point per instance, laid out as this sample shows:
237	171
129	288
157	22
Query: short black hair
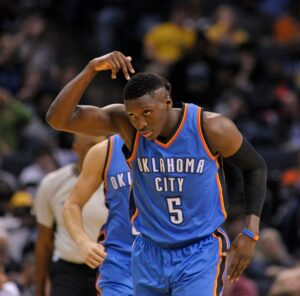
144	83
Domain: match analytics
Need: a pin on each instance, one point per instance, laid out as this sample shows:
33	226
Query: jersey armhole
203	137
107	159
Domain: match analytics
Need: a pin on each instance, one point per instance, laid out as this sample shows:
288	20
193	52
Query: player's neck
171	122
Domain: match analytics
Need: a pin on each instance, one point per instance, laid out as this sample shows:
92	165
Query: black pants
70	279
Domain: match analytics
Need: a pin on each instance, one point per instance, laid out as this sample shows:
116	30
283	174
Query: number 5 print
176	215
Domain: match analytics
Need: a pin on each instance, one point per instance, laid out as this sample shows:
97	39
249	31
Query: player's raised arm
65	113
225	138
88	182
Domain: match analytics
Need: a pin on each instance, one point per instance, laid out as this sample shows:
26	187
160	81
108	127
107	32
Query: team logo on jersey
168	165
120	180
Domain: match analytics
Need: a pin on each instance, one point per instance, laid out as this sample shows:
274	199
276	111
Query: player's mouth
146	134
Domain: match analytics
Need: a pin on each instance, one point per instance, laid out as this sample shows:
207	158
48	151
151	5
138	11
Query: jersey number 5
175	212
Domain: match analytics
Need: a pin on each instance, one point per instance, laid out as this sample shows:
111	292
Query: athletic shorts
114	277
71	279
193	270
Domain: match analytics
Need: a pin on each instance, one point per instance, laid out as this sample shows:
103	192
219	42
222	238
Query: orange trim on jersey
209	153
109	156
135	146
221	197
219	264
96	285
134	216
169	143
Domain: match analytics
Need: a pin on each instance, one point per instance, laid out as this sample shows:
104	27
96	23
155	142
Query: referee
57	256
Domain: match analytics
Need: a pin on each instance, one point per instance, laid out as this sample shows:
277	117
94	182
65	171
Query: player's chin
152	137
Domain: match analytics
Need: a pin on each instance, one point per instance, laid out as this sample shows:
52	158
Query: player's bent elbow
56	121
51	119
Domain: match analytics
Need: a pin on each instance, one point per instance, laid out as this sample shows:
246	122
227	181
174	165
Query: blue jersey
177	184
116	234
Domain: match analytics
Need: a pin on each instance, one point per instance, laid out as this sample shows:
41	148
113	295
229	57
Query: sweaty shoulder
119	116
221	133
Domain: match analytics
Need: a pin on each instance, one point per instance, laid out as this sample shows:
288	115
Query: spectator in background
22	233
7	264
17	228
43	163
7	287
10	66
33	48
288	213
270	258
225	31
243	287
287	283
290	117
167	42
25	279
8	185
14	116
55	248
193	74
287	26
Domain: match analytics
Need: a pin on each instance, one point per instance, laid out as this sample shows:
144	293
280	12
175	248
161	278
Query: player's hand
92	253
114	61
239	256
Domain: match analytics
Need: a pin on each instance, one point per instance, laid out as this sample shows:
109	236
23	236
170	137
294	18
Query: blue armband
250	234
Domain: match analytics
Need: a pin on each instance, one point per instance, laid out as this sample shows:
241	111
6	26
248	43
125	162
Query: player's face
148	114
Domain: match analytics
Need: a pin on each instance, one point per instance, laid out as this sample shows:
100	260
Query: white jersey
51	195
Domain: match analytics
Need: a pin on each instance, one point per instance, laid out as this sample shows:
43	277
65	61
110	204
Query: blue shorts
192	270
114	277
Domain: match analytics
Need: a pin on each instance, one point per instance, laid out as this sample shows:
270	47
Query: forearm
43	257
254	172
252	223
72	216
65	104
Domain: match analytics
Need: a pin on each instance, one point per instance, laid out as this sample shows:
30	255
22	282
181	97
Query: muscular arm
224	138
65	113
88	182
43	254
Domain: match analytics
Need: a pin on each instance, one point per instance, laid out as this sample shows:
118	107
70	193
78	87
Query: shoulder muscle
222	134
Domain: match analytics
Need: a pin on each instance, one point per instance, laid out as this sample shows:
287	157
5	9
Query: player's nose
141	124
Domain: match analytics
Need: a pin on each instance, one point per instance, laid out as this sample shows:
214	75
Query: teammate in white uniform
67	273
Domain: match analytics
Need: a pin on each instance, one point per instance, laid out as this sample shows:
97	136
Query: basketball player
105	162
54	247
175	154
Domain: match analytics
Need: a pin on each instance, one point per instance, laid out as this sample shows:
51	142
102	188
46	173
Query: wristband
250	234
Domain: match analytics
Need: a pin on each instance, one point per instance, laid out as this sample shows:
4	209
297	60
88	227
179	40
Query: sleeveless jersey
177	185
116	234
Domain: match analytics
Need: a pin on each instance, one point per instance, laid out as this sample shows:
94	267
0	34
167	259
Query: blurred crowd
239	58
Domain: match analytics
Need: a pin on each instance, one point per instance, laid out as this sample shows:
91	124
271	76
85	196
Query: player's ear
169	102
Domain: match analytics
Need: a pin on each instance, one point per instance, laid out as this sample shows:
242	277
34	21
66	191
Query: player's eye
131	115
147	112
